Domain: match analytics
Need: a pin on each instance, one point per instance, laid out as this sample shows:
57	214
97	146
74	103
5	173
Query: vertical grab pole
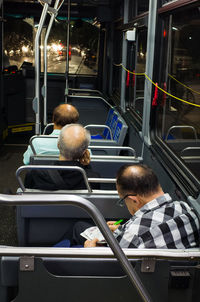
44	88
36	100
67	62
149	70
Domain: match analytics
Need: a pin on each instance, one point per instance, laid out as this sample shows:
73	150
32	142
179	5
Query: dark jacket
71	180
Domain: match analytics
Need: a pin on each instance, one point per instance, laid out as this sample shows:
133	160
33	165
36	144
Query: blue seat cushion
97	136
63	243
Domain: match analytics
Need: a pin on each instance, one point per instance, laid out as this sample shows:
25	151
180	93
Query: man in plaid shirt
157	221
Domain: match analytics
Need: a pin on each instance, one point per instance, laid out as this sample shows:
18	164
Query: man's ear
58	146
135	199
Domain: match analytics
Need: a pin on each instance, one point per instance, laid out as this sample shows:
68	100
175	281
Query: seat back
53	173
52	274
88	106
98	273
46	225
44	139
116	127
109	167
109	122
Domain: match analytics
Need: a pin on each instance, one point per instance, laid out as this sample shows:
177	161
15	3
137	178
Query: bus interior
130	67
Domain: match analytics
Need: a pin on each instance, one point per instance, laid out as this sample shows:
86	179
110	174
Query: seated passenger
73	142
157	221
62	115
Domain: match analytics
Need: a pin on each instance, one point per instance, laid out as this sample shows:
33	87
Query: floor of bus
11	157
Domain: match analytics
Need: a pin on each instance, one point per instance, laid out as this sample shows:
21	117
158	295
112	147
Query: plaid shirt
161	223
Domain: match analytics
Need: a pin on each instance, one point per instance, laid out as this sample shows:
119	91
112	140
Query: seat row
45	225
38	274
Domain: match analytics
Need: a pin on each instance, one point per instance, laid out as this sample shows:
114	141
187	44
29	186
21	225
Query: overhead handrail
181	127
36	100
48	199
96	126
47	167
44	88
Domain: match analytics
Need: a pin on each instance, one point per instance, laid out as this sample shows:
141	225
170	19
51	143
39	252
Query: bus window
83	59
82	50
18	40
135	92
137	7
183	82
143	6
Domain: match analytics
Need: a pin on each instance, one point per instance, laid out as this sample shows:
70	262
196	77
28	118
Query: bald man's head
73	140
65	114
137	179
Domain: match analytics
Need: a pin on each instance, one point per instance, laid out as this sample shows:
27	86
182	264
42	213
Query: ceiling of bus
79	8
86	2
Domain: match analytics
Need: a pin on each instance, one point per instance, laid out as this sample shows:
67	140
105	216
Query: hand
91	243
111	225
85	159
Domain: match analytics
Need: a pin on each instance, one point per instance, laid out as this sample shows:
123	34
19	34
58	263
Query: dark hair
62	116
141	181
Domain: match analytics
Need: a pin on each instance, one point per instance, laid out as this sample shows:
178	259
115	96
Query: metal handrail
44	89
36	100
90	97
181	127
164	254
46	127
120	148
49	199
40	137
100	126
85	90
102	180
47	167
187	149
67	59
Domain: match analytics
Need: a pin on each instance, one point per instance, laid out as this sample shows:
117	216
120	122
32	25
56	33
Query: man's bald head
73	140
137	179
65	114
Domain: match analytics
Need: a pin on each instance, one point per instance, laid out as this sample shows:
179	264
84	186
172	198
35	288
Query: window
135	88
117	58
143	6
137	7
178	120
82	49
132	10
83	59
18	41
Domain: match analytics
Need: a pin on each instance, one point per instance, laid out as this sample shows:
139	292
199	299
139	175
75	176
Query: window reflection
178	120
19	37
135	93
18	41
143	6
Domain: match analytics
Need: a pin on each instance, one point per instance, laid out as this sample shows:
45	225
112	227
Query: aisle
10	159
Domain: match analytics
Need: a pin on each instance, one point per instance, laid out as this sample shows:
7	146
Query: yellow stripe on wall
21	129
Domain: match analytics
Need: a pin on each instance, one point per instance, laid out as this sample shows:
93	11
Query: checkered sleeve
172	227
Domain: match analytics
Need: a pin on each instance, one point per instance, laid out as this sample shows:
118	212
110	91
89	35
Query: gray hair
72	152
